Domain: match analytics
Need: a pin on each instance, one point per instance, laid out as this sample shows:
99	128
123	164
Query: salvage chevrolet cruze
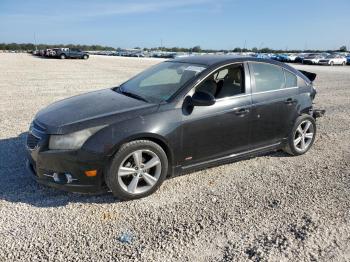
179	115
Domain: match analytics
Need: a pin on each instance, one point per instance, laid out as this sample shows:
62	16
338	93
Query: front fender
162	128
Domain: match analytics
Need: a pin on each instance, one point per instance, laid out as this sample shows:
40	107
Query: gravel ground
273	207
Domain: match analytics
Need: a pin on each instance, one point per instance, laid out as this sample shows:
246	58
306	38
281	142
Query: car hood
96	108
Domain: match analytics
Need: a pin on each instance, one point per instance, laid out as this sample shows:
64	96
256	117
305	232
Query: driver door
211	132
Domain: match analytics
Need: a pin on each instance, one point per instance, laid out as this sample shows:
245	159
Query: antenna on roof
36	48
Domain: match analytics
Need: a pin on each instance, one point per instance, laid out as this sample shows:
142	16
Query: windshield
160	82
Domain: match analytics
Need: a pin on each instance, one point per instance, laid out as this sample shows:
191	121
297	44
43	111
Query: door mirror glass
203	99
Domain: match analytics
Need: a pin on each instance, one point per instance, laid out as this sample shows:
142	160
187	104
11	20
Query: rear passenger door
274	94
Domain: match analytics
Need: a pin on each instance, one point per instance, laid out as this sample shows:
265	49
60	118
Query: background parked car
313	59
280	57
262	56
64	53
348	59
333	60
300	57
292	57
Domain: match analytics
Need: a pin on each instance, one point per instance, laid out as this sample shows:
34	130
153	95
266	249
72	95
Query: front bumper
65	169
78	188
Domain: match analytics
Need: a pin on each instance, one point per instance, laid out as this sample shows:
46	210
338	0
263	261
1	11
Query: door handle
241	111
289	101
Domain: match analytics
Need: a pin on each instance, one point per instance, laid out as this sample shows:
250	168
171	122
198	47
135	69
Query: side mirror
202	99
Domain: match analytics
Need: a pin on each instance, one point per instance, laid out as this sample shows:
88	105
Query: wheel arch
159	140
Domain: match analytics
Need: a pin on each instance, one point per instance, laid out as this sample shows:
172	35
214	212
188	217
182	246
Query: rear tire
343	64
137	170
302	136
63	56
331	63
85	57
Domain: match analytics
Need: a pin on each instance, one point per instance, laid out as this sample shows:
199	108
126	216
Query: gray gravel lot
273	207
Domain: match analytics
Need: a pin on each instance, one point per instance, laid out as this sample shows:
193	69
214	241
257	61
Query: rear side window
291	79
267	77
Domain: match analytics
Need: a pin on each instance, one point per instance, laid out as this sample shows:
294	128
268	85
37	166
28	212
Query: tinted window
225	82
161	81
162	77
267	77
291	79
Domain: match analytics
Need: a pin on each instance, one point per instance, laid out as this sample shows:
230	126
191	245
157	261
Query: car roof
213	60
210	60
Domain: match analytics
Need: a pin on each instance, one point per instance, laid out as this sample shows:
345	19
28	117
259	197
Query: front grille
32	141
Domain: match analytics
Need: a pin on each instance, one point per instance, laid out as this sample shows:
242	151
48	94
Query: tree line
195	49
31	46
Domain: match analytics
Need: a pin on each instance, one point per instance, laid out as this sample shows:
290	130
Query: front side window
160	82
267	77
291	79
225	82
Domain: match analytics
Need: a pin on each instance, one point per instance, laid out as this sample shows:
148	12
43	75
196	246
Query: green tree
343	49
196	49
237	50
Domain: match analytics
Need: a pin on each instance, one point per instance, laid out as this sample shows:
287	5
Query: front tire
85	57
331	63
63	56
302	136
137	170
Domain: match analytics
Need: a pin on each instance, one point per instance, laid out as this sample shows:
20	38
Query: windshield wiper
133	95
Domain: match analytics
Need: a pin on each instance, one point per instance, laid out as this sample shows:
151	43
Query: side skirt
230	158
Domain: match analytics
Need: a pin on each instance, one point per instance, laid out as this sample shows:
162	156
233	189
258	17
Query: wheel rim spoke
307	126
154	161
149	179
124	171
137	156
302	144
309	135
297	141
133	184
300	130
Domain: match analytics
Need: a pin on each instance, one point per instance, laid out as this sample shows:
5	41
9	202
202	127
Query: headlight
73	140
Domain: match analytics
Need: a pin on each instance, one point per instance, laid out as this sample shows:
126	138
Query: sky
215	24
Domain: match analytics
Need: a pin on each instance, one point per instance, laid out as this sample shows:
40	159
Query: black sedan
179	115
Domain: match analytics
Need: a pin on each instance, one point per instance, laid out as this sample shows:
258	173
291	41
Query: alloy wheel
139	171
304	135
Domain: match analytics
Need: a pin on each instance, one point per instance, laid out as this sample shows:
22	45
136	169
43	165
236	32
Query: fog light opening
56	177
61	178
70	178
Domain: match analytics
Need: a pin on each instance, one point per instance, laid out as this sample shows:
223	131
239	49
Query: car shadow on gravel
17	186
